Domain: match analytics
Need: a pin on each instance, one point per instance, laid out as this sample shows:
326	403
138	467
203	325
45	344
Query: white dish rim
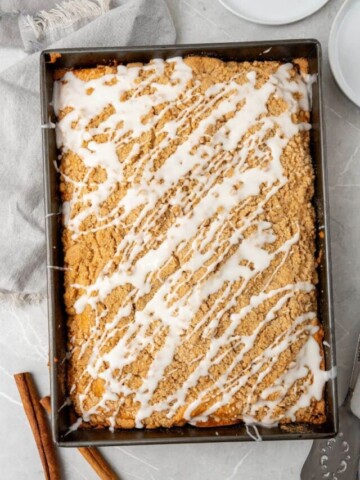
274	23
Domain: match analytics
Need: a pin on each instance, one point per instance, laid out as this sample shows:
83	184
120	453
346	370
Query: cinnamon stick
38	424
91	454
98	463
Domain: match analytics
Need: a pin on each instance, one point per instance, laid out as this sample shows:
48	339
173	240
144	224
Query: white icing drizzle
207	213
256	435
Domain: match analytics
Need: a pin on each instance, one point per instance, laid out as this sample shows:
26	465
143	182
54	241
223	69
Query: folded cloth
22	238
10	12
50	25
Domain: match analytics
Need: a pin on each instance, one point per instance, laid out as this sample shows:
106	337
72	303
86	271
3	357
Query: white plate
273	12
344	49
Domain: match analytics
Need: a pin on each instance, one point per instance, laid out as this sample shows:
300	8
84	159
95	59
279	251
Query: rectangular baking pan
284	50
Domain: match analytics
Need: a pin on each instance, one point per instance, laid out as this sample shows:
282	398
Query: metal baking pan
284	50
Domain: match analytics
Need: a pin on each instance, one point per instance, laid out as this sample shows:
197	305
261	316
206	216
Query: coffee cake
189	243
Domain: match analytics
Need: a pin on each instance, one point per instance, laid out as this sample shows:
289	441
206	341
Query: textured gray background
23	338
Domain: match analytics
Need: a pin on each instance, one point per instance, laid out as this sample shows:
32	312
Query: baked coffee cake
189	243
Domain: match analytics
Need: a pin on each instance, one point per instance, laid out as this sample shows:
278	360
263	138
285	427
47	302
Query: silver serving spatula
338	458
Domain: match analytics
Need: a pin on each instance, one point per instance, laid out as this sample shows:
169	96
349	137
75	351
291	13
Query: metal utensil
338	458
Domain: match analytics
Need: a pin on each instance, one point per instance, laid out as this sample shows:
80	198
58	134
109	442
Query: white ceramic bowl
344	49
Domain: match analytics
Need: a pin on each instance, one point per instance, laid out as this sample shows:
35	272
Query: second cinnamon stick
91	454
